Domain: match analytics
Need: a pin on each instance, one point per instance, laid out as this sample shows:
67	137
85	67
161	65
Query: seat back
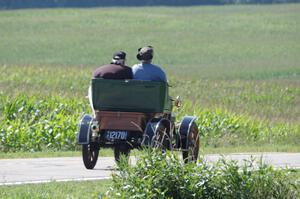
130	96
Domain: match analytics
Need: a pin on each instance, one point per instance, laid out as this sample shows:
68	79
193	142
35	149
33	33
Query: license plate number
116	135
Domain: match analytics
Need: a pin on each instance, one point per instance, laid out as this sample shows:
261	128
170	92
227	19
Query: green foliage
240	58
162	175
34	124
50	123
223	42
219	128
236	68
219	123
276	101
57	190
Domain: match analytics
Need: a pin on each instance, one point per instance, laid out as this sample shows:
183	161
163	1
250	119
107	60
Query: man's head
145	54
119	58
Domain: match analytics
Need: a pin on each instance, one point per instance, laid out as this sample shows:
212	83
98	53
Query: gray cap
119	55
145	53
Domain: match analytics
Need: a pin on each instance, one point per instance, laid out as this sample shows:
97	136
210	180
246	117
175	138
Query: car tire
90	154
162	139
191	144
120	150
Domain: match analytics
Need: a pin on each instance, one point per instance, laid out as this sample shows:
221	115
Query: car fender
184	129
152	128
84	133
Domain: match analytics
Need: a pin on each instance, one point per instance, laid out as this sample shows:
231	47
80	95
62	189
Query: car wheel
120	150
190	145
161	139
90	154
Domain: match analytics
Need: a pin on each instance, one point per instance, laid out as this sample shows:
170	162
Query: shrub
218	126
162	175
34	124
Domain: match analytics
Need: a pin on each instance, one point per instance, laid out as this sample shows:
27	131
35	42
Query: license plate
116	135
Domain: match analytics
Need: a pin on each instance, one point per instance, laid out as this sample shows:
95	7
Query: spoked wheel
120	150
90	154
161	139
190	145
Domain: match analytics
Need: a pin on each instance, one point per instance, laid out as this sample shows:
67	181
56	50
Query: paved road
38	170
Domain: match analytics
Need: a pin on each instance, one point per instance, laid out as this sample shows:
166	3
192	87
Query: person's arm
162	76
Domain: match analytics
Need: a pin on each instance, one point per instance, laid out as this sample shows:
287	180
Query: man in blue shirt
146	70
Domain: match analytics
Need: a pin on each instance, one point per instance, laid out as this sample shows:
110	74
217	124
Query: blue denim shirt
145	71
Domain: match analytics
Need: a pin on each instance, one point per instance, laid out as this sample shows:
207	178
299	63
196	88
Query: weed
162	175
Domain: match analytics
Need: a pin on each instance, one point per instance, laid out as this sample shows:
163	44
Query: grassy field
237	68
230	42
85	189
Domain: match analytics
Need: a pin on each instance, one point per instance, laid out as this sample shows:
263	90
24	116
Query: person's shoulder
160	72
157	67
104	66
99	68
99	71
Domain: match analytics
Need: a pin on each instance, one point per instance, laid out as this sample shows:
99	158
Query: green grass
273	100
162	175
42	154
253	148
236	67
228	42
85	189
295	174
15	155
242	58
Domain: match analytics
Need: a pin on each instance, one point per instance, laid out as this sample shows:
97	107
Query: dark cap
119	55
145	53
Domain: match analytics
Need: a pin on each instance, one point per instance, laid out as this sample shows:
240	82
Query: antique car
131	114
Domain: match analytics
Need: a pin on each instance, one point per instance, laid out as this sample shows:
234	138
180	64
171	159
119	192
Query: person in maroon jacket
116	69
